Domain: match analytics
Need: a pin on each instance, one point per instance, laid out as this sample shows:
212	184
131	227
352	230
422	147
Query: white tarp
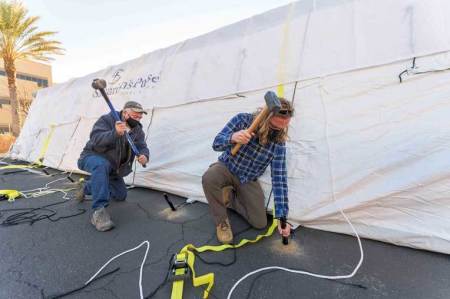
360	140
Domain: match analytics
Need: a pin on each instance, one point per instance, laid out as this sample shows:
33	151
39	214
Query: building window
40	82
5	102
4	129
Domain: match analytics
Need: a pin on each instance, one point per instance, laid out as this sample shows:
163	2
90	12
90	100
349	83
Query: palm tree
20	39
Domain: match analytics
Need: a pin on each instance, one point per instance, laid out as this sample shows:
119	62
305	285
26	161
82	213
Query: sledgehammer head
272	102
99	84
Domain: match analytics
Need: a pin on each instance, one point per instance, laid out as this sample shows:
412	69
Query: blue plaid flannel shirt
252	160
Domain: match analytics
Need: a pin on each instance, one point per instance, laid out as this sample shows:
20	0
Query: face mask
132	122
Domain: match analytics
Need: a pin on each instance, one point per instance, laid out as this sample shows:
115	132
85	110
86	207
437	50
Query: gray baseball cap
135	106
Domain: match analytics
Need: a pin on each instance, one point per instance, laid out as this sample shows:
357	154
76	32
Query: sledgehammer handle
258	119
114	112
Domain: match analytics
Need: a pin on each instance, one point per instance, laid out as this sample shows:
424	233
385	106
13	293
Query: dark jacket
104	141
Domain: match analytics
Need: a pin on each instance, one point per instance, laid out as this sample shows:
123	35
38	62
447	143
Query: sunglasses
284	113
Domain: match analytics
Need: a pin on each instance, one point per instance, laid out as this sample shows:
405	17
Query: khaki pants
248	202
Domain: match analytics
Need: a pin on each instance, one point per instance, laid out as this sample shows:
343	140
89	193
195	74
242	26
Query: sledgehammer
100	85
273	105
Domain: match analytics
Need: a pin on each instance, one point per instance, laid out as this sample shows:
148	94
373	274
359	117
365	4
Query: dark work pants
103	184
248	202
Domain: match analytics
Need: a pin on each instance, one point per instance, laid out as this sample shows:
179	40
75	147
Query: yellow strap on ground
208	279
10	194
177	289
40	159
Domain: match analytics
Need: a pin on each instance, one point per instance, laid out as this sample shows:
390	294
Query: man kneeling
232	181
108	157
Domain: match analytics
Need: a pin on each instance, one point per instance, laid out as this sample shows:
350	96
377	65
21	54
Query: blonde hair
263	129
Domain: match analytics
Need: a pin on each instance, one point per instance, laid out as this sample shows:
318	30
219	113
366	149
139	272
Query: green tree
20	39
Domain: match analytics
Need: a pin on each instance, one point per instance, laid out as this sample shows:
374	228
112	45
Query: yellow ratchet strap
9	195
186	258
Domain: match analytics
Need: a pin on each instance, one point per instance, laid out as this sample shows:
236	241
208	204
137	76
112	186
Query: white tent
360	140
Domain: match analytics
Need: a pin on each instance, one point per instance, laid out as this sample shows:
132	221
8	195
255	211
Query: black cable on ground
32	215
153	293
80	288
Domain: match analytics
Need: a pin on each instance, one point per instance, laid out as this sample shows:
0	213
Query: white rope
38	192
120	254
340	209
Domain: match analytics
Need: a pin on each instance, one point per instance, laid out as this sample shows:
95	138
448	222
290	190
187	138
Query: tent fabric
360	140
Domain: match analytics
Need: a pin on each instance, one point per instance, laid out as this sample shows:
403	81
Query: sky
97	34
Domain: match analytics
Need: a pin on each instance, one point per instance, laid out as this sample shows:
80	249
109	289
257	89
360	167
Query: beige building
30	77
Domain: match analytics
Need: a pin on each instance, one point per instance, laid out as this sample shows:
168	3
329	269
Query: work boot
227	195
79	192
101	220
224	233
